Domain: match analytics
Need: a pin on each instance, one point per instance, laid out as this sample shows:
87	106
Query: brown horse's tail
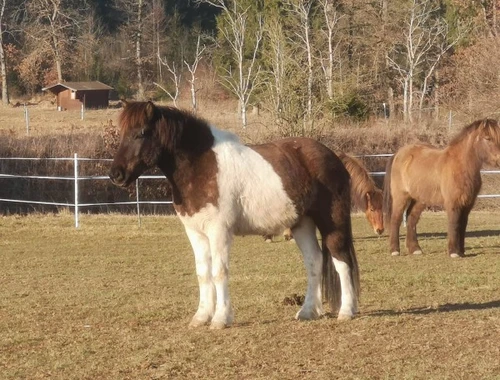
330	278
387	192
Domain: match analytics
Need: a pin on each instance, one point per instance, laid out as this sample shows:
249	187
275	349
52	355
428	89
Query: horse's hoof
455	255
269	241
195	323
395	253
307	315
345	317
218	325
417	252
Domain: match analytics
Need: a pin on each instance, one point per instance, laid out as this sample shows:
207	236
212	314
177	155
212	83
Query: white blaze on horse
222	187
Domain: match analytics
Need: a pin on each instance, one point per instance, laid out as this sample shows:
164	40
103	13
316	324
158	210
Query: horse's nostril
116	175
380	231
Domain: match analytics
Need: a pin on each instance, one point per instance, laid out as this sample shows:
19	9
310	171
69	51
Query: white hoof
218	325
418	252
395	253
455	255
307	315
269	241
345	317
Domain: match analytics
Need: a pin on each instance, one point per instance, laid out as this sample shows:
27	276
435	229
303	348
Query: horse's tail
332	290
387	192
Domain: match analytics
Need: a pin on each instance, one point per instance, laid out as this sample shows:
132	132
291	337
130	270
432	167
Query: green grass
112	300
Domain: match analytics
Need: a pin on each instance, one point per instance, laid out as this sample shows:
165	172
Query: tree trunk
3	66
138	54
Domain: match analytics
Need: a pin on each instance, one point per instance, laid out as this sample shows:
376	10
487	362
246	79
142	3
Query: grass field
112	300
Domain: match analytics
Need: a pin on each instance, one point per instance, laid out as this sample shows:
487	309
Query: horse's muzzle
117	176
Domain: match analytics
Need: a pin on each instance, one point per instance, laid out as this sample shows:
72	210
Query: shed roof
79	86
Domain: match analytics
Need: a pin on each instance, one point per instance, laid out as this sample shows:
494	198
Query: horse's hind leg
334	241
413	215
305	237
203	260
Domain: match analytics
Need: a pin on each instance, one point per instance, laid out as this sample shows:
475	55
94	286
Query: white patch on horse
252	199
349	300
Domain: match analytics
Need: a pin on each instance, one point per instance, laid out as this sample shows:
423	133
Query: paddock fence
77	178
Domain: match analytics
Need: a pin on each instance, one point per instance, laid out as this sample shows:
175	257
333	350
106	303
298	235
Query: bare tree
242	81
176	79
331	19
277	61
302	9
53	26
192	70
3	63
425	43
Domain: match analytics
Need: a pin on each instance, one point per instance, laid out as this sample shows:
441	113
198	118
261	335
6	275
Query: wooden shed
72	95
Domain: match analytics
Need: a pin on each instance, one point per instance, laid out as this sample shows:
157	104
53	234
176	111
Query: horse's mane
173	127
489	126
361	182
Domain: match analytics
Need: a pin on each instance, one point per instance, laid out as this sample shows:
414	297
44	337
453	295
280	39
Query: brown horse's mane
361	182
489	127
173	127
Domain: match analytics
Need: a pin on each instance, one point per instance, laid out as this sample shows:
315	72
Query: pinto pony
365	195
221	187
420	175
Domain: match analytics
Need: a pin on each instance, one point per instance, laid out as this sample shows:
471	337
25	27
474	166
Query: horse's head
139	147
374	212
488	142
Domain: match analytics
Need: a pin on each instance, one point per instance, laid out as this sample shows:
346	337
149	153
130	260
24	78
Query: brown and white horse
222	187
420	175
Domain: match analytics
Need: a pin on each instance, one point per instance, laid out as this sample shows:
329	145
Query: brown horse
420	175
365	195
222	187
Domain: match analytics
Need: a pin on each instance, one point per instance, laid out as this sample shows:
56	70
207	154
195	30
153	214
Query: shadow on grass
446	308
444	235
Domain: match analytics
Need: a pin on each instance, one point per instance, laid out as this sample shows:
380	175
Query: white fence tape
76	178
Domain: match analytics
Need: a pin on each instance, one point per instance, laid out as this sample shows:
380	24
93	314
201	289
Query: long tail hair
387	192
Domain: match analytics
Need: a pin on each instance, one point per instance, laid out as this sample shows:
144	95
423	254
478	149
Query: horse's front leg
305	237
415	209
454	232
398	209
203	260
220	244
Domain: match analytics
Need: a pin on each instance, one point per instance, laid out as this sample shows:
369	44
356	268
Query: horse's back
303	161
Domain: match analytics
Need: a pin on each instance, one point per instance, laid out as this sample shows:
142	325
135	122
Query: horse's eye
141	134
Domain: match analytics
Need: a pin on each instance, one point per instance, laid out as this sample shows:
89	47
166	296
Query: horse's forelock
492	129
133	115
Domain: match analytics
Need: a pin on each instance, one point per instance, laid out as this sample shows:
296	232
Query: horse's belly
264	215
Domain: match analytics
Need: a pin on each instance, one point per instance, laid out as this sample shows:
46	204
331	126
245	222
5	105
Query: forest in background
302	61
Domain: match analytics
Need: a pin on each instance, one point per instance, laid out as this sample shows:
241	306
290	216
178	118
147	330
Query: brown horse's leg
398	208
413	215
454	232
464	218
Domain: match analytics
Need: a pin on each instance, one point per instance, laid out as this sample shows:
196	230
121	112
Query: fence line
76	178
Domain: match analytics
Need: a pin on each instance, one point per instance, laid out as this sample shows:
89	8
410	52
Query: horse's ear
150	110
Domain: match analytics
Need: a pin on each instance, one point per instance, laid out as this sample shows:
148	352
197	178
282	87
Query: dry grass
112	301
